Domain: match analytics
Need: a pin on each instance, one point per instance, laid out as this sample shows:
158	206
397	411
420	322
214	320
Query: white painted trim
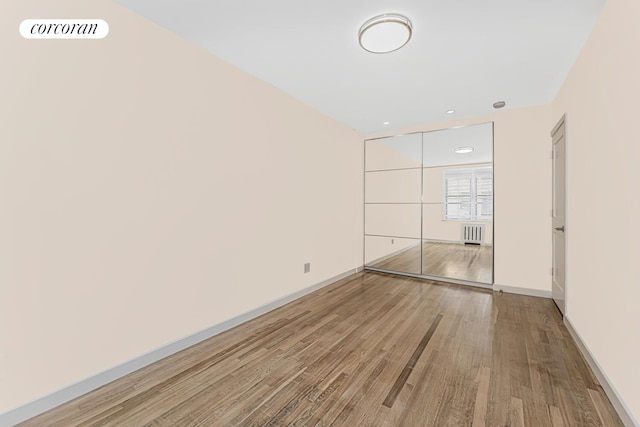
57	398
522	291
618	404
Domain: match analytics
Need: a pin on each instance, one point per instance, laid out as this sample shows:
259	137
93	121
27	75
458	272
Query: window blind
468	194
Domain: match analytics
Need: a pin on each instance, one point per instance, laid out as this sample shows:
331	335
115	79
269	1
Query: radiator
473	233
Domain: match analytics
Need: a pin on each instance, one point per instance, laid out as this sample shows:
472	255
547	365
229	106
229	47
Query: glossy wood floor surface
456	261
370	350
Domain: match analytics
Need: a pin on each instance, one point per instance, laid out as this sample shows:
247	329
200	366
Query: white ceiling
464	54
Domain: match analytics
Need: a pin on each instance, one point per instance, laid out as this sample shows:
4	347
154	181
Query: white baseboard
522	291
57	398
623	411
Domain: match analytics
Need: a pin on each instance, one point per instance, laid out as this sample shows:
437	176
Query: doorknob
560	228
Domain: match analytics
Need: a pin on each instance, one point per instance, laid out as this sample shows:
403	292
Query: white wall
148	191
601	98
522	186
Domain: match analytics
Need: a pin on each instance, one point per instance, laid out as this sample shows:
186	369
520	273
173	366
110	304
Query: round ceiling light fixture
499	104
463	150
385	33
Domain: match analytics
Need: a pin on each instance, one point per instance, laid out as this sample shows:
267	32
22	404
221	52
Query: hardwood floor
370	350
464	262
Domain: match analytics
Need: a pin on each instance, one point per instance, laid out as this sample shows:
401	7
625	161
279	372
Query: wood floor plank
406	371
603	408
556	417
517	413
482	399
372	349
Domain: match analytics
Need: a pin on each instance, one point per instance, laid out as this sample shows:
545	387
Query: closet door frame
422	198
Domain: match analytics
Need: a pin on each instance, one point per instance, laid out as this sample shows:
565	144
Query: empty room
292	213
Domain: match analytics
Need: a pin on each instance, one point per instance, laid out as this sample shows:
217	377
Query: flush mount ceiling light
451	111
463	150
385	33
499	104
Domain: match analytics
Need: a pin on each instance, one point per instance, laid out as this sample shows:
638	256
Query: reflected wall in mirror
393	198
454	198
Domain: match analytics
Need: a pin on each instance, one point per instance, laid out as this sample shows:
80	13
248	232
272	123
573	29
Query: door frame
561	122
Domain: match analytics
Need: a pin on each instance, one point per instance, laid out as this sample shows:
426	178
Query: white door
559	218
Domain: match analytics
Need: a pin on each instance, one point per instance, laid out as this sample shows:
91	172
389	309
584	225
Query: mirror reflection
429	203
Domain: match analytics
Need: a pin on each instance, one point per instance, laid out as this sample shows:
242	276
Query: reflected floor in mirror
451	260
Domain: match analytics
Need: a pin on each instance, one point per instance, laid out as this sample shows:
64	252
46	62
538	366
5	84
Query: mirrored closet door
429	204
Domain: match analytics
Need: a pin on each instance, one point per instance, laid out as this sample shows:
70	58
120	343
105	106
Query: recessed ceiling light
451	111
385	33
386	123
499	104
463	150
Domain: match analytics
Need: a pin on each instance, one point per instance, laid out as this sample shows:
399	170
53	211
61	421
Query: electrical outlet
307	267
